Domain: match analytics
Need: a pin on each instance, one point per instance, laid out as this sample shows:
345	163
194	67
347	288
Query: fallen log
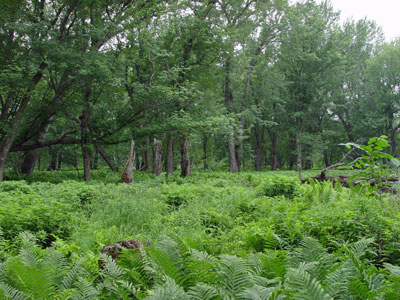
384	184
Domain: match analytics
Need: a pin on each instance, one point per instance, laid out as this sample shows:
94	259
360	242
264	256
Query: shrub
278	186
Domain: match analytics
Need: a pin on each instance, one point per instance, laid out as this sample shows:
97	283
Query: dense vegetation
214	235
198	88
249	84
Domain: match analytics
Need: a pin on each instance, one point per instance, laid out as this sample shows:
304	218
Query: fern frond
203	292
336	282
72	275
110	268
12	293
29	256
164	265
274	264
360	247
234	274
169	290
85	290
257	292
305	287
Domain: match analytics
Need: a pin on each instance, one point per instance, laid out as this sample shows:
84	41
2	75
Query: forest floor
223	215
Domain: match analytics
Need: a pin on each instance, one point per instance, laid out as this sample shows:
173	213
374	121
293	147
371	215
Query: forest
182	135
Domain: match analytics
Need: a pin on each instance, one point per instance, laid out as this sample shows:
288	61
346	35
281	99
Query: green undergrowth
260	222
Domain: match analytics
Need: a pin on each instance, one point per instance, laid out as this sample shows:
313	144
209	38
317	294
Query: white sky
386	13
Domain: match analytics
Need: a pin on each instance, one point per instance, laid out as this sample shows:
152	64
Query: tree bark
85	144
274	155
299	154
146	156
185	159
7	141
292	146
29	162
96	160
169	155
259	135
157	161
228	95
105	157
127	173
326	159
53	160
59	160
204	142
233	164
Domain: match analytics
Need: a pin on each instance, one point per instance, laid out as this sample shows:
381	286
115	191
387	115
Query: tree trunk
228	95
28	165
85	145
127	173
104	155
59	160
233	164
137	163
292	145
274	156
31	157
169	155
308	164
157	161
7	141
326	159
53	160
146	156
259	135
299	154
96	160
185	160
204	142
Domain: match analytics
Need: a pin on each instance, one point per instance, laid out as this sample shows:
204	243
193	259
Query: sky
386	13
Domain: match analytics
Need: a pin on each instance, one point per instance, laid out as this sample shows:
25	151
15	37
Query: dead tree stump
127	174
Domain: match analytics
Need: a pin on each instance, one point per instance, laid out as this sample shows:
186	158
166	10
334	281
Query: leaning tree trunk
157	162
104	155
185	160
7	140
169	155
96	160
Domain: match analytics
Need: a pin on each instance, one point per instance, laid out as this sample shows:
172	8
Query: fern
75	272
337	281
393	287
304	287
234	274
11	293
165	266
110	268
84	290
257	292
203	292
169	290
